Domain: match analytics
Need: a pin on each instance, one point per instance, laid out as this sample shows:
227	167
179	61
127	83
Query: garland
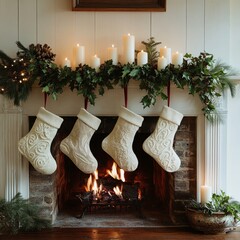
200	75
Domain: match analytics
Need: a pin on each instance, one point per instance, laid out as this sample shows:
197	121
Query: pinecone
42	52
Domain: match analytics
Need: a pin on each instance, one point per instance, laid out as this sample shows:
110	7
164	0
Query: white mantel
211	138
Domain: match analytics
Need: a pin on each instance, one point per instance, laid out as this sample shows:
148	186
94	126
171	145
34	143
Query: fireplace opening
151	196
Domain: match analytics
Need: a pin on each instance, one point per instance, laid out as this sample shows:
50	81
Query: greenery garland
200	75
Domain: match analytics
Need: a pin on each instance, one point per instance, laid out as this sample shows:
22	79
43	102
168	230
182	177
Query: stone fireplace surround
211	145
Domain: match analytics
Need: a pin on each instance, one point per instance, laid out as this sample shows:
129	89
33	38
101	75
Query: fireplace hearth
158	195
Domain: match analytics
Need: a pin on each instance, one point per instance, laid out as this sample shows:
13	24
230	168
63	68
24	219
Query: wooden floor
121	234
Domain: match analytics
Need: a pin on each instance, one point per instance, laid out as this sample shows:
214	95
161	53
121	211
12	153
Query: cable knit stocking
159	144
77	144
118	144
35	146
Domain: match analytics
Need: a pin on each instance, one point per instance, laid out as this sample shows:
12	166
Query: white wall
233	166
187	26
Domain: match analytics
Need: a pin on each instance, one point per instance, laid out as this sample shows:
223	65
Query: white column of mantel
14	171
216	148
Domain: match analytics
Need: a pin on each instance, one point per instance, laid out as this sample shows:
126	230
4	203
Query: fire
118	191
114	173
92	183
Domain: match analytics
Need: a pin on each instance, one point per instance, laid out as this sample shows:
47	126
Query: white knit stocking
118	144
35	146
77	144
159	144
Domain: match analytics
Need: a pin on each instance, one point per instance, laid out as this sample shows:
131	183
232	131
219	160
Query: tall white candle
206	194
177	59
142	58
162	63
167	53
80	55
95	63
67	62
113	54
128	49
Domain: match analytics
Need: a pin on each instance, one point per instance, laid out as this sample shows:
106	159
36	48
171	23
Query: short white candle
113	55
95	62
142	58
67	62
128	49
167	53
162	63
80	55
177	59
206	194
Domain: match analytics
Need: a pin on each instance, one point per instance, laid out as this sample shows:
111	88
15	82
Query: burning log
110	191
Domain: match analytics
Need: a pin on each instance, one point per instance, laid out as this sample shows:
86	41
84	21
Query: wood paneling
195	39
8	26
170	27
27	21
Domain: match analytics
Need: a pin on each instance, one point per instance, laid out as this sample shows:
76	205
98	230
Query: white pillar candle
206	194
67	62
113	55
162	63
167	53
80	55
128	49
177	59
95	63
142	58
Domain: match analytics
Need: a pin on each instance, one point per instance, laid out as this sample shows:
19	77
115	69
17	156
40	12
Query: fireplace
147	192
210	149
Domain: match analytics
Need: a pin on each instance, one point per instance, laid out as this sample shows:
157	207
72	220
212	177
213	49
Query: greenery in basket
201	75
20	215
220	203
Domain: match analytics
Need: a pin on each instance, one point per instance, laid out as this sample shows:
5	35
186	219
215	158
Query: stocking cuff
49	118
171	115
131	116
89	119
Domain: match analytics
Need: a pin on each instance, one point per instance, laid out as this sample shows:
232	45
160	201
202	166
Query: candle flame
112	45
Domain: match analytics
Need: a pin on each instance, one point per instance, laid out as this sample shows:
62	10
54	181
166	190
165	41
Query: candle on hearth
128	49
142	58
206	194
167	53
95	62
67	62
177	59
80	55
162	63
113	55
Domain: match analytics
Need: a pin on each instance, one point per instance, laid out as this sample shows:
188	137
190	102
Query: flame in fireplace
92	183
114	173
118	191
